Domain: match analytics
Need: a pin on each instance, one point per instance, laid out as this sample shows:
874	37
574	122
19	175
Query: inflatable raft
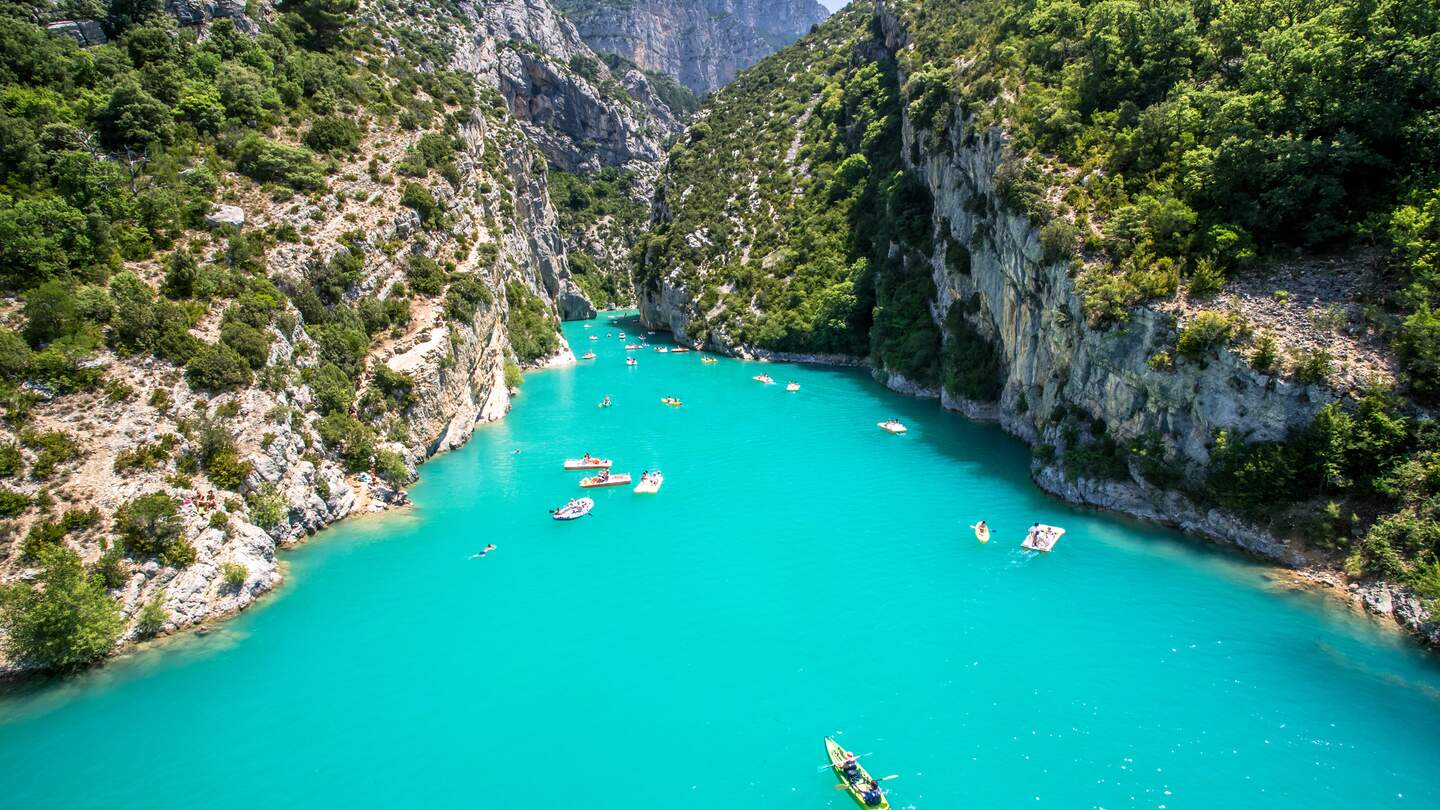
1042	538
574	509
982	532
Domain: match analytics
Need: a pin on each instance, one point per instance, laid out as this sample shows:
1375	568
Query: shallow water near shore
801	573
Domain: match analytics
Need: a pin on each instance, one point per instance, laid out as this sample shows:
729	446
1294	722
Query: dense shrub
333	390
235	574
217	367
424	275
262	159
465	297
152	617
65	622
333	133
267	506
150	526
351	439
1206	332
532	328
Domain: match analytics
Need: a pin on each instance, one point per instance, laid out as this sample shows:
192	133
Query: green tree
50	312
65	622
321	23
134	119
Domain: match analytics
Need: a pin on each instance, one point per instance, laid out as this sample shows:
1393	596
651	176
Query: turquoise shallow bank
801	573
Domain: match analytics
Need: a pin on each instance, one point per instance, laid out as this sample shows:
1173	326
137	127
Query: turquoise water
801	573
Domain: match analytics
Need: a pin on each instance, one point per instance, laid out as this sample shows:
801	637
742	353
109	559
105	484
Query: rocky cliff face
702	43
582	114
497	227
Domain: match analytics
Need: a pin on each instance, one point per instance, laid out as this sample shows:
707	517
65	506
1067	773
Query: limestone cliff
485	223
702	43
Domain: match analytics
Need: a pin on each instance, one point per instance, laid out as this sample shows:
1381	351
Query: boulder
225	215
84	32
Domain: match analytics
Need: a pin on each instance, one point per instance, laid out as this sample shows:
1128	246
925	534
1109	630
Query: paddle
881	779
831	765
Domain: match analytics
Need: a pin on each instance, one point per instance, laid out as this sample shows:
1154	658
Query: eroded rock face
84	32
500	202
580	113
201	12
702	43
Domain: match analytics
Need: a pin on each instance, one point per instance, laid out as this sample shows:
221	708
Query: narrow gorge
787	212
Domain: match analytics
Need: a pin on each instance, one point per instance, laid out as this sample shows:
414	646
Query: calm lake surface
801	573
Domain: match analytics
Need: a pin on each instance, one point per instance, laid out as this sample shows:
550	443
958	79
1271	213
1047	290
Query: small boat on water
588	356
673	402
1042	537
594	337
892	425
650	483
574	509
982	532
661	349
630	347
709	360
679	350
792	387
587	463
763	378
605	403
630	361
622	335
854	778
605	479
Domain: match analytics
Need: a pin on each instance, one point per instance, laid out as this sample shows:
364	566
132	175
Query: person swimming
488	548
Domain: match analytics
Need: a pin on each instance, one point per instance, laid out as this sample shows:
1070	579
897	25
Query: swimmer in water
489	548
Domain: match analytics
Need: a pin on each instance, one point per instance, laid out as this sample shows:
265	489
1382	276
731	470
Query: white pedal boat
574	509
792	387
650	484
892	426
616	480
1042	538
587	463
763	378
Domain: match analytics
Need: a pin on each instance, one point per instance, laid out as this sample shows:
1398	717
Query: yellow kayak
860	785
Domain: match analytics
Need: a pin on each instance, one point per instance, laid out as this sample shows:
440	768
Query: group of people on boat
1043	537
863	784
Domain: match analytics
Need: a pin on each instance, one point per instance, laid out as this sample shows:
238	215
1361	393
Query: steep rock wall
702	43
